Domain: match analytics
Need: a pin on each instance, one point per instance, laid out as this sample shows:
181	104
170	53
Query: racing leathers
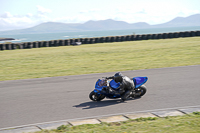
126	85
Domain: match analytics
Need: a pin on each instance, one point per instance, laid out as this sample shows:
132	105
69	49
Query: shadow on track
92	104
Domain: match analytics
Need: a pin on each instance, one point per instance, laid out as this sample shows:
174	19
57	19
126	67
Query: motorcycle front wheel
96	97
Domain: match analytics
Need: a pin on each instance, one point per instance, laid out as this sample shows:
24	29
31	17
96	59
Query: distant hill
54	26
109	24
49	27
193	20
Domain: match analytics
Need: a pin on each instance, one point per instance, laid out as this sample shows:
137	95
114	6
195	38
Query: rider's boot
126	95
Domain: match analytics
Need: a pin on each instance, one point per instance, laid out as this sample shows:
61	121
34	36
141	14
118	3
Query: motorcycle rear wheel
142	90
95	97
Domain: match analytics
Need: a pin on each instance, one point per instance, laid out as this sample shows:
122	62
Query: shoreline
6	39
93	40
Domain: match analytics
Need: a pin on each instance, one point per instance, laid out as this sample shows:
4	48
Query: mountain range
109	24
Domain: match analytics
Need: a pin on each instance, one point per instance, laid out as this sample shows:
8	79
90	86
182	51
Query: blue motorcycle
102	86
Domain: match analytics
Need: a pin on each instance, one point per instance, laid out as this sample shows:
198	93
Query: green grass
98	58
178	124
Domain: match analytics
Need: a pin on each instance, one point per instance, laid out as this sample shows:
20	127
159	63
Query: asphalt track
30	101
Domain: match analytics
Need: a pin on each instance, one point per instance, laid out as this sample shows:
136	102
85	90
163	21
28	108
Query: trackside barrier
67	42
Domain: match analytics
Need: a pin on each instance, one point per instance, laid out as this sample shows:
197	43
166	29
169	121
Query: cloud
186	12
6	15
128	14
43	10
29	15
142	11
15	20
9	21
90	11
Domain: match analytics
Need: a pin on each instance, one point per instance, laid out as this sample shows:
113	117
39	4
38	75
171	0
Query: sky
18	14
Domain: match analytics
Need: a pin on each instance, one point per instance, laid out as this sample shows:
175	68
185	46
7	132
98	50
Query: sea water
88	34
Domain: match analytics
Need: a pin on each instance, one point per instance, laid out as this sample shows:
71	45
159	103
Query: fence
67	42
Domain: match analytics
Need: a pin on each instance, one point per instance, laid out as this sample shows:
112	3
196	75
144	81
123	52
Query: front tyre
96	97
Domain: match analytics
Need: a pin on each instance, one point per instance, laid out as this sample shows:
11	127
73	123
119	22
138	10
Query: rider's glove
112	77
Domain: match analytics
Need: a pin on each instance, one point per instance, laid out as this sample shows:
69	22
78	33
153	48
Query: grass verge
98	58
177	124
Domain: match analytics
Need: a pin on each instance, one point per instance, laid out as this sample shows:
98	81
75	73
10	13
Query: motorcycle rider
126	85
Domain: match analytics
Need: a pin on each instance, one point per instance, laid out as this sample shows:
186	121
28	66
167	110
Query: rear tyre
96	97
140	91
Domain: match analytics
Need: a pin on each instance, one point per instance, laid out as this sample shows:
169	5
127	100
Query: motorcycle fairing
138	81
114	85
97	87
98	90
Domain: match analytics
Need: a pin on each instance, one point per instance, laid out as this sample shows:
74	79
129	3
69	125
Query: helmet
118	77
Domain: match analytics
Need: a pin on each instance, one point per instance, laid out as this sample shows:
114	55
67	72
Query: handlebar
108	77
